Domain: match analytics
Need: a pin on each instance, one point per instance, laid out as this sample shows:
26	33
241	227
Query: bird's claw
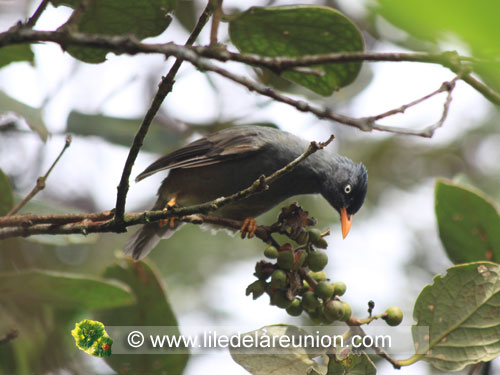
248	227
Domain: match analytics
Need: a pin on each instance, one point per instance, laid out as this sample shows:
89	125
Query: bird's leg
171	220
248	227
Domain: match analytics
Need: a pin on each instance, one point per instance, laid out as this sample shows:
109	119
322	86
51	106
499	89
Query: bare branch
38	12
130	45
163	90
27	225
40	182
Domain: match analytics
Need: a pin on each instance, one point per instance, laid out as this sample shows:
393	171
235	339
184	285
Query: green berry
285	260
280	299
315	315
271	252
318	276
256	289
295	309
339	288
324	290
309	301
314	235
347	312
320	243
278	279
393	316
334	310
317	260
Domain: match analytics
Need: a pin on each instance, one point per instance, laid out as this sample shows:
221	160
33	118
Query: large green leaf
462	312
33	116
63	290
15	53
354	364
152	308
142	19
6	196
469	223
297	31
291	360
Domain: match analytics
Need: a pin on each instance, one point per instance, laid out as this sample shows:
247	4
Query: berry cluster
294	278
296	281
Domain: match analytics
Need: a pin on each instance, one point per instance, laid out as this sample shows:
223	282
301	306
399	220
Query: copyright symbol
135	339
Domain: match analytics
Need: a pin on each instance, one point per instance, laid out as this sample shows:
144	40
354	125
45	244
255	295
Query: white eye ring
347	189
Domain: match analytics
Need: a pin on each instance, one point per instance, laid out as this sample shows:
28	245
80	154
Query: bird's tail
147	237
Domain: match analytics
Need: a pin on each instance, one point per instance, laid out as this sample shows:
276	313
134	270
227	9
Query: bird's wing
229	144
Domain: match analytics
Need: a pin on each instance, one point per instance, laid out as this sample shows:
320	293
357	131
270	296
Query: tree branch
38	12
27	225
163	90
130	45
40	182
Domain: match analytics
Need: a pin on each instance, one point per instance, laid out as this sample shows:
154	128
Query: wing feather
228	144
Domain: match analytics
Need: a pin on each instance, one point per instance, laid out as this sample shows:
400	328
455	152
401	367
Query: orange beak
346	221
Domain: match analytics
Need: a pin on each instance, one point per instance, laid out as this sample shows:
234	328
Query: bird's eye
347	189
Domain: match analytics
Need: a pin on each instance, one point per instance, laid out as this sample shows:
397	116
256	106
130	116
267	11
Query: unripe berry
339	288
334	310
285	260
393	316
318	276
309	301
324	290
271	252
295	309
317	260
347	312
320	243
278	279
314	235
280	299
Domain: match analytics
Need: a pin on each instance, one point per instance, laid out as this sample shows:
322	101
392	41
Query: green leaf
6	196
121	131
152	308
32	115
474	23
461	310
354	364
63	290
280	361
15	53
297	31
469	223
142	19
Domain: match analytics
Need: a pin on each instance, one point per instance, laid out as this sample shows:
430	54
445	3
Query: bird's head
345	189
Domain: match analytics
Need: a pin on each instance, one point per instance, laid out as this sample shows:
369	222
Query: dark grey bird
230	160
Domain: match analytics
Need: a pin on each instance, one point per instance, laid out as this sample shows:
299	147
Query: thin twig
130	45
216	18
100	222
164	88
38	12
40	182
11	335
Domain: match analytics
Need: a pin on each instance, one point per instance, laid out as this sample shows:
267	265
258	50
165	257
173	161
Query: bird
230	160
